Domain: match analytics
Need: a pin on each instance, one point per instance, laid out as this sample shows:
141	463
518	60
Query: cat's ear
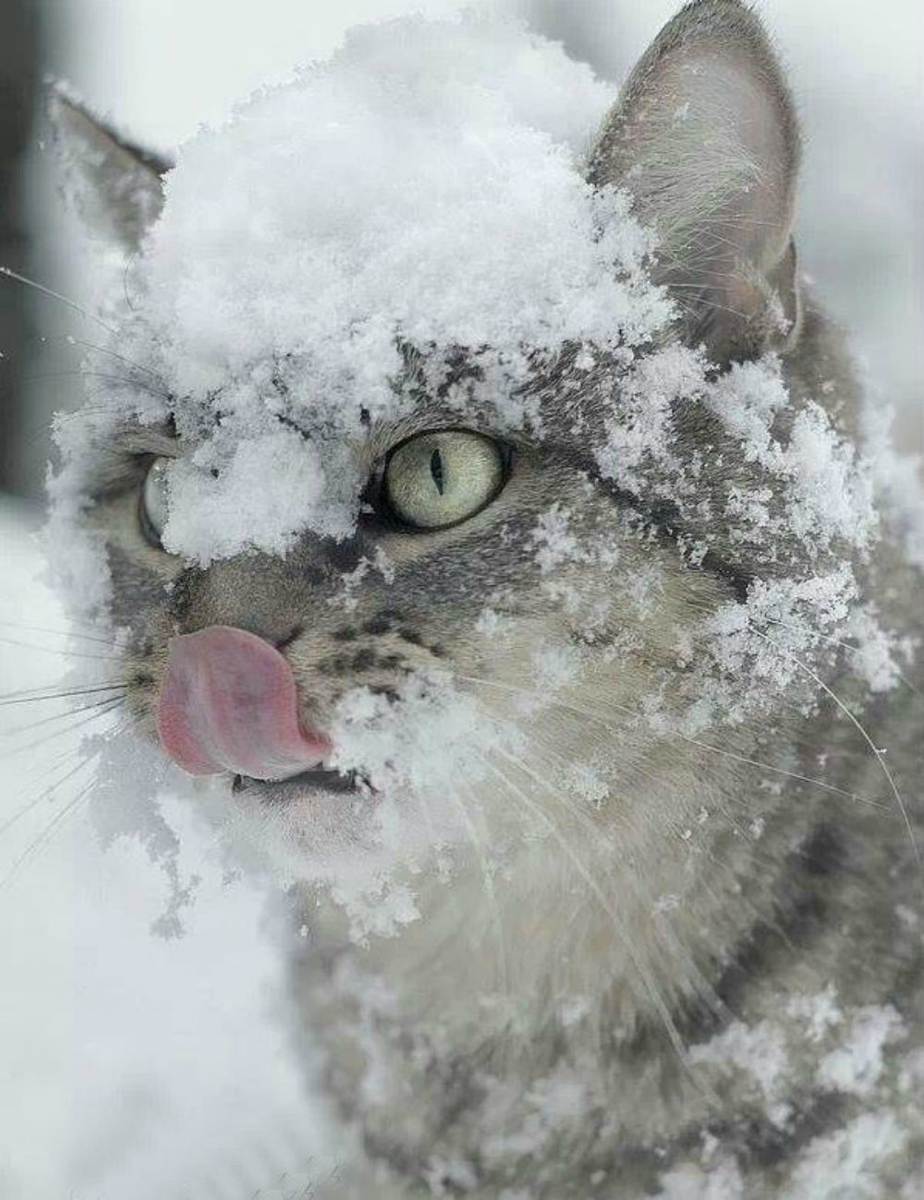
705	138
116	186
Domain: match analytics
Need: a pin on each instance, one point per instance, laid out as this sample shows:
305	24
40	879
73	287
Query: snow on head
423	188
325	261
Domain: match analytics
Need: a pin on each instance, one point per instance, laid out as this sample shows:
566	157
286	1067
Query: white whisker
877	753
647	982
46	291
636	716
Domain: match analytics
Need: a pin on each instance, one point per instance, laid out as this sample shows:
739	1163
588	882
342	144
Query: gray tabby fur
565	972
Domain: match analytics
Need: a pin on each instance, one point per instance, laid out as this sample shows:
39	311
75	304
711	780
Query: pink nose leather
228	703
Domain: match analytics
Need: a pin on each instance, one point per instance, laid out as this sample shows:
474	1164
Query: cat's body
681	954
793	934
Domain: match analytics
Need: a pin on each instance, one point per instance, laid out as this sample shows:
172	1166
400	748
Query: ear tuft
705	138
116	185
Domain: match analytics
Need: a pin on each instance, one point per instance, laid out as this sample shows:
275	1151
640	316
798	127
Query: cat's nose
228	702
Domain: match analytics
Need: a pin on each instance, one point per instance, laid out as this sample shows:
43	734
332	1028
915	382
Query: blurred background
135	1066
161	67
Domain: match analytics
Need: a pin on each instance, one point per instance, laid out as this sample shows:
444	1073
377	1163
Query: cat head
365	537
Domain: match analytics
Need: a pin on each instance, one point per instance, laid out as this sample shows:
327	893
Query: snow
842	1165
759	1052
896	476
134	1065
207	519
856	1064
433	199
723	1182
819	1012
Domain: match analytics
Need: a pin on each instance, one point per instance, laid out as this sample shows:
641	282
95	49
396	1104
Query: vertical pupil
436	470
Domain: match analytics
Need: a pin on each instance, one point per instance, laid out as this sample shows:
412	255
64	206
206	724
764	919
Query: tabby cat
679	950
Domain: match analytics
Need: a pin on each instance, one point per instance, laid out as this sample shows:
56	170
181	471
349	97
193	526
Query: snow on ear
705	137
116	186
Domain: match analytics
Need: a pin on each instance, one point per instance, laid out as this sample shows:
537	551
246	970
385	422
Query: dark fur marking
338	665
799	916
383	621
823	853
342	556
182	592
290	424
756	1141
347	634
665	520
767	1145
290	637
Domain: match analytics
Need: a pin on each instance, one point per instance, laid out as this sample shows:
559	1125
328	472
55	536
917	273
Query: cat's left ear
705	138
117	186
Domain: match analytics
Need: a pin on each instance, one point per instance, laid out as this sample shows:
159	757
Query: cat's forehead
440	199
407	237
364	251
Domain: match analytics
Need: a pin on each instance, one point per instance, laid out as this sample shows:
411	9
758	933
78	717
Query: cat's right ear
705	139
116	186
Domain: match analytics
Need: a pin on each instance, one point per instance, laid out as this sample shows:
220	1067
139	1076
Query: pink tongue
228	703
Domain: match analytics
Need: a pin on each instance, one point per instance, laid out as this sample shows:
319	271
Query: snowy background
136	1066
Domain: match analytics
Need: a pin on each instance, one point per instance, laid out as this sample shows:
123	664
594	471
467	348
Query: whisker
601	898
14	730
66	633
97	709
844	646
38	695
120	357
80	373
877	753
743	759
43	795
36	846
5	641
490	891
705	986
40	287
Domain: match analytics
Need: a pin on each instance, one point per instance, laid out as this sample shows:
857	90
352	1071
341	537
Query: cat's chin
301	786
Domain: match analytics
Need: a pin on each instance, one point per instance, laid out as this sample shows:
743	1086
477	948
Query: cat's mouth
228	705
317	779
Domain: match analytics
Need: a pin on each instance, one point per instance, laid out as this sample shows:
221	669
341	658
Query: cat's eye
153	504
438	479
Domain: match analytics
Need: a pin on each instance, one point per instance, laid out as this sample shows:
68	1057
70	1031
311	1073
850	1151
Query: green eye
438	479
153	508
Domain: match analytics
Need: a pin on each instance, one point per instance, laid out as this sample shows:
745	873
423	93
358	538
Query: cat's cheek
118	519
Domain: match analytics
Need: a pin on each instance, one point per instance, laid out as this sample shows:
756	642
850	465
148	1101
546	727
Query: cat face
561	569
485	555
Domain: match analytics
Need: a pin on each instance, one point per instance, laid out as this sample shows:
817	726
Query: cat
682	955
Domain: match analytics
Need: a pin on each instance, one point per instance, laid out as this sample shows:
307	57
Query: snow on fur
422	192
